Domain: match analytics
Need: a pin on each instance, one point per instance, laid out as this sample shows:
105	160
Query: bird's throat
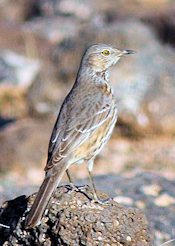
90	76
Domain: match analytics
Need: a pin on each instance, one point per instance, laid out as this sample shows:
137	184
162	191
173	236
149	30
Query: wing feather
73	128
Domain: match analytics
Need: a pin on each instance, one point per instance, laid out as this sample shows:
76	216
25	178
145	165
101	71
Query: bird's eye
105	52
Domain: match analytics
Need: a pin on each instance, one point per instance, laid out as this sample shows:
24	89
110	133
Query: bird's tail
42	198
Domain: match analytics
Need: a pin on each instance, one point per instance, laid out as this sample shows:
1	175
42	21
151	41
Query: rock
152	190
73	218
163	23
159	208
56	29
13	102
17	73
24	144
6	73
5	122
46	94
20	10
164	200
129	190
82	10
146	90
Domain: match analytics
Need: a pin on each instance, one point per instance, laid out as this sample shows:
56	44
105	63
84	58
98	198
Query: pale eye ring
105	52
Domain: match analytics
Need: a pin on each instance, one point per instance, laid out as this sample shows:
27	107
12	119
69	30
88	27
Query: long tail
42	198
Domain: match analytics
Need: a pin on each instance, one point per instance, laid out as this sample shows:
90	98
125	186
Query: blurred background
41	44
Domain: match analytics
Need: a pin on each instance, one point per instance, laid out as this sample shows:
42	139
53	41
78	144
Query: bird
84	124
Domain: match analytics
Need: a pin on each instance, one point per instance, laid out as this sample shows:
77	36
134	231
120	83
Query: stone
22	71
24	144
164	200
161	218
63	225
152	190
17	73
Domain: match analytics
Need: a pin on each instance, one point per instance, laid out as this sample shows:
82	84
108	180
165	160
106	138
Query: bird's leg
71	184
96	198
90	167
69	177
93	186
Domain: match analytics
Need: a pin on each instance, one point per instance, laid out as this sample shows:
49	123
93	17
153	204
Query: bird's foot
100	201
83	187
72	187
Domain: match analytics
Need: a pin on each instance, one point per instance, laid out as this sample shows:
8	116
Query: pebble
164	200
124	200
152	190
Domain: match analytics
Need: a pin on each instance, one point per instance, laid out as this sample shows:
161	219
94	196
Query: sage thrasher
84	124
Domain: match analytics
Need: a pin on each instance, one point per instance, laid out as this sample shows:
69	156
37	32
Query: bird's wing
73	126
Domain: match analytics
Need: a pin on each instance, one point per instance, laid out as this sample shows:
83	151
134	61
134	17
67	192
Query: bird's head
102	56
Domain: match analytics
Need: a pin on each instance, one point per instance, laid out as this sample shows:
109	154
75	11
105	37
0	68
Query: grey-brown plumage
84	124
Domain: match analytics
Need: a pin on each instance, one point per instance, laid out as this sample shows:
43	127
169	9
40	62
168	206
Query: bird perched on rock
84	124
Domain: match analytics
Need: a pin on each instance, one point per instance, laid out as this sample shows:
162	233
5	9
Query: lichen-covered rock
74	218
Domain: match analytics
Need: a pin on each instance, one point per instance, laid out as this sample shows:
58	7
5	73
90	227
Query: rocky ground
147	191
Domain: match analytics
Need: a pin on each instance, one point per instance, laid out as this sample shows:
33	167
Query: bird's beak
128	52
